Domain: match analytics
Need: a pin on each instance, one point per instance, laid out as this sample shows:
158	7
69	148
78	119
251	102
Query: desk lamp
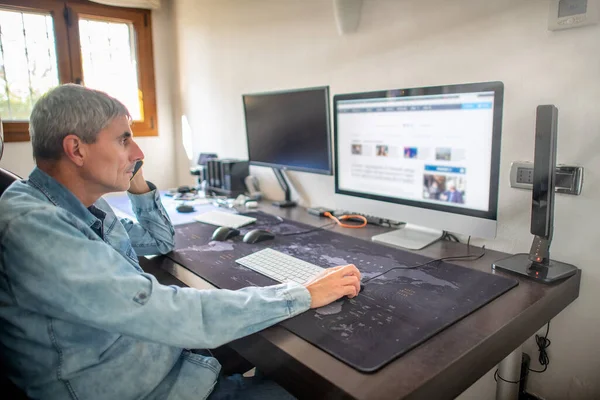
537	264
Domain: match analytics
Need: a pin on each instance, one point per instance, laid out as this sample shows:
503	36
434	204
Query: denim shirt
81	320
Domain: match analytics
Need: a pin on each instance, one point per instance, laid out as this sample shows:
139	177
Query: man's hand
138	184
332	284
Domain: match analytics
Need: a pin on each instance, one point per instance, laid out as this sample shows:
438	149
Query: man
452	195
79	318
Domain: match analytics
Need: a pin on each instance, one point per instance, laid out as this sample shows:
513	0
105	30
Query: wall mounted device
426	156
565	14
569	178
537	264
289	130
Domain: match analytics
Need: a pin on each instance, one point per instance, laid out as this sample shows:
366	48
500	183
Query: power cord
468	257
543	343
449	236
309	230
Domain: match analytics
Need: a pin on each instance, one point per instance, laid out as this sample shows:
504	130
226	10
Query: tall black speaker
537	264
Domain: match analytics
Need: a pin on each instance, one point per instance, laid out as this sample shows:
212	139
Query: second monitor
289	130
427	156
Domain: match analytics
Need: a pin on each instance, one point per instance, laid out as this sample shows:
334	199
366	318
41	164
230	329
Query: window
47	42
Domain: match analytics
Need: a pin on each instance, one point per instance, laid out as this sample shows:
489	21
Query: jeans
258	387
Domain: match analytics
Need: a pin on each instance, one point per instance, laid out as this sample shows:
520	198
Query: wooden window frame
68	53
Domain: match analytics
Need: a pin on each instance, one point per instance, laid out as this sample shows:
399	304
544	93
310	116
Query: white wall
159	151
231	47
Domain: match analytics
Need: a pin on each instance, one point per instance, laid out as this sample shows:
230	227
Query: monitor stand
288	202
412	237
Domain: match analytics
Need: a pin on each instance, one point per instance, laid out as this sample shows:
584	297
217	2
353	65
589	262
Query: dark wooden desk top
440	368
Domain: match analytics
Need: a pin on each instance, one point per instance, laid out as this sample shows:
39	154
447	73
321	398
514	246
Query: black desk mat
393	314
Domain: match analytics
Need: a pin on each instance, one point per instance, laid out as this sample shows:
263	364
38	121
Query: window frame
68	53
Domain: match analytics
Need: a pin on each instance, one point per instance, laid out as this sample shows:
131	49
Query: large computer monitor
289	130
425	156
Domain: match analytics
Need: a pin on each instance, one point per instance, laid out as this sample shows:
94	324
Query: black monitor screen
289	129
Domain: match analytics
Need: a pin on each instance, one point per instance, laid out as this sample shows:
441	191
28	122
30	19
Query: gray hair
70	109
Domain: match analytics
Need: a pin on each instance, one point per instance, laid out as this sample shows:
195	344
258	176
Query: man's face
110	160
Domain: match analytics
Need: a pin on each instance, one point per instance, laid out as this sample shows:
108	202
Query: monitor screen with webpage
426	156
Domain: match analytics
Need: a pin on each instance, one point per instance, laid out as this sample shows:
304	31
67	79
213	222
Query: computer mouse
223	233
257	235
185	208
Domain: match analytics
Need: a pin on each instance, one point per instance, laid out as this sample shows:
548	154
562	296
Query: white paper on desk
166	201
199	202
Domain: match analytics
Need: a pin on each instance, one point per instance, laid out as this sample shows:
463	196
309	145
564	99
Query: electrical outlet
525	175
569	179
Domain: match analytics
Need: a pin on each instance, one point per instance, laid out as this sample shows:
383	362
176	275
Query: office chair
6	178
7	389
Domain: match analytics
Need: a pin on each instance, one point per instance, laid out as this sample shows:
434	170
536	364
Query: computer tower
201	169
233	174
226	177
214	173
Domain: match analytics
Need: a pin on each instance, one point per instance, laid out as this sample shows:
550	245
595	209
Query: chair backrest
7	389
6	178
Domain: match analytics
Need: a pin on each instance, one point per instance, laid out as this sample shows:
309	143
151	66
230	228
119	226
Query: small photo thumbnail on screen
443	188
443	154
410	152
357	149
382	150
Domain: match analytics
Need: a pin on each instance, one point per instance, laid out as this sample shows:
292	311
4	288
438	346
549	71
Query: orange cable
344	217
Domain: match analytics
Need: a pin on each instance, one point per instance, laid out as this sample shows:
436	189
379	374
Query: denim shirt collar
62	197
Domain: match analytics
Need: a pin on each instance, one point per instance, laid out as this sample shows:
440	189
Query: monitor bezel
496	86
329	170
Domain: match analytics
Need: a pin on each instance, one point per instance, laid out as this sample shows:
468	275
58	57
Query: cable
543	343
308	231
452	258
451	237
344	217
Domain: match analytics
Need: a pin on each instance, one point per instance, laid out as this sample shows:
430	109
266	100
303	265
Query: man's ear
74	149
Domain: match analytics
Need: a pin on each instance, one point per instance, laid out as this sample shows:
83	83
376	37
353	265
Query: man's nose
136	152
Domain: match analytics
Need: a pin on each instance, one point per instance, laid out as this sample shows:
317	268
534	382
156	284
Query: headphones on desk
347	217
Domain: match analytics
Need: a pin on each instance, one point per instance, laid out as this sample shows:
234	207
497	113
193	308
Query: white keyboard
220	218
280	266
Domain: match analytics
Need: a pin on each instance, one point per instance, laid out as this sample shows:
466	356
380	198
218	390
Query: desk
440	368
